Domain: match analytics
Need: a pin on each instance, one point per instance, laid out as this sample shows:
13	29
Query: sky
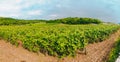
106	10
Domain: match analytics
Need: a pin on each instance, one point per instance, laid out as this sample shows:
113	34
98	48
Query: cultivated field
60	41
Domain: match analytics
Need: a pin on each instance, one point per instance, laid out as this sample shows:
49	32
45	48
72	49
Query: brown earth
11	53
96	52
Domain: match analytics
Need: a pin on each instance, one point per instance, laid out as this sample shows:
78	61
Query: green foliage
11	21
76	20
69	20
115	52
56	39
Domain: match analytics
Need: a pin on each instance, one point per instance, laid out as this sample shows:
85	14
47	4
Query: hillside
12	21
68	20
76	38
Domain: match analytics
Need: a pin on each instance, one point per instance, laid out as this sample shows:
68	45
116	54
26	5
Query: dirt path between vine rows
11	53
97	52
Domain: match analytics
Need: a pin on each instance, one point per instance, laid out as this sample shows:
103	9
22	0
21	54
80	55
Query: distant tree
76	20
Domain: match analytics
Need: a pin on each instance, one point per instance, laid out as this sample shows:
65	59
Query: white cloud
28	3
14	8
59	5
53	15
35	12
10	8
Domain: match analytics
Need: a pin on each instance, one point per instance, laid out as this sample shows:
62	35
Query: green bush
115	52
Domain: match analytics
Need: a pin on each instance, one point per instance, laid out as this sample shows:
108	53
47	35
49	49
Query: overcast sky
107	10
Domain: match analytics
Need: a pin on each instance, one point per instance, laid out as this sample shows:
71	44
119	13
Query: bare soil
96	52
11	53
